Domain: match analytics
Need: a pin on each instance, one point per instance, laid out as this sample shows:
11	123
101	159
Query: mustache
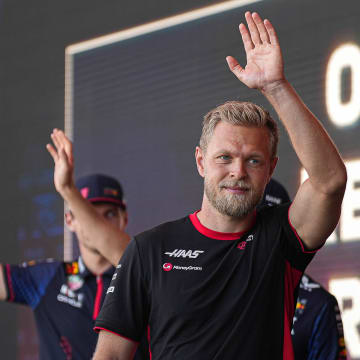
239	183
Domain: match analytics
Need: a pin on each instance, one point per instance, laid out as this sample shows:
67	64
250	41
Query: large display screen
137	101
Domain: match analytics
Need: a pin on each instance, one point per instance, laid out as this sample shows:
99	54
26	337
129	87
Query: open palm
62	155
263	54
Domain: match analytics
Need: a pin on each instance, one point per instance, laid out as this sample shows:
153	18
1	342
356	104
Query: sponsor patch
170	267
242	245
192	254
72	268
110	191
68	296
167	267
75	282
111	289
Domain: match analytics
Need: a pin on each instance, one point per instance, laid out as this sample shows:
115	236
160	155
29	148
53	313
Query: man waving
221	283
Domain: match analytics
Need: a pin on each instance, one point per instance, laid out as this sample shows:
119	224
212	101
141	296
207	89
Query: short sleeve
294	249
27	283
126	306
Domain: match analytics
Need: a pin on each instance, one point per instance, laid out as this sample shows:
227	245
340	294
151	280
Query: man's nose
238	169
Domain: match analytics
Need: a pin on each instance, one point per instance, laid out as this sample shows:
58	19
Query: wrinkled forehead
237	138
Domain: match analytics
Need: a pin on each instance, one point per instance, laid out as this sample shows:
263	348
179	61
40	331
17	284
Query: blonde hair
241	114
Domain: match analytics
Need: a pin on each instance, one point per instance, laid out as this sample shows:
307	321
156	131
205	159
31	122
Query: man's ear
69	220
200	159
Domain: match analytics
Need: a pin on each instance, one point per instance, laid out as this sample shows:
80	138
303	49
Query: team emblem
75	282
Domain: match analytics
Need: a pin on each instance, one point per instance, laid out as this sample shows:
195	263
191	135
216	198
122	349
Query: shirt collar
84	271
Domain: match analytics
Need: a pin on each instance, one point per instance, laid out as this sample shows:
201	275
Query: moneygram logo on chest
192	254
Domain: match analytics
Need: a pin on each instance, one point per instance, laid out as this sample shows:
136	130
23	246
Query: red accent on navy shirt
99	292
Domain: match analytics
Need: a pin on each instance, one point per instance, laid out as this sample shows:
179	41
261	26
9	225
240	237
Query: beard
233	205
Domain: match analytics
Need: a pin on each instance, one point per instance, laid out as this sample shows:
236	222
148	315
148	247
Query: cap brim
107	200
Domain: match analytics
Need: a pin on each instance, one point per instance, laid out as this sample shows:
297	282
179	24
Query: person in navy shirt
66	296
317	331
221	283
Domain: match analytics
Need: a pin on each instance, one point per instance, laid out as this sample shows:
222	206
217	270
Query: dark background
137	110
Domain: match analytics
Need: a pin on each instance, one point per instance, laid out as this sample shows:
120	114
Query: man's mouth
238	190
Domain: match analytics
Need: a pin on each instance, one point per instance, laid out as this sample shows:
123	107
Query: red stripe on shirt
148	334
292	279
99	291
10	285
212	233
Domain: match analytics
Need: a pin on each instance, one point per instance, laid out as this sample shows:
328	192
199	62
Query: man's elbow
336	183
341	180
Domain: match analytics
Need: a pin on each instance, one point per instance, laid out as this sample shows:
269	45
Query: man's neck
213	220
95	263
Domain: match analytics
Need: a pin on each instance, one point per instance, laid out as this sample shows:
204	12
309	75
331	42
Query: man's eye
224	157
110	214
254	161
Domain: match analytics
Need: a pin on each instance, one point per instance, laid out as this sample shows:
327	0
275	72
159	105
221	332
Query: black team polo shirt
205	295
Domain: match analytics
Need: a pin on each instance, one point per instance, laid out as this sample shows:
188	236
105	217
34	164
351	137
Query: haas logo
192	254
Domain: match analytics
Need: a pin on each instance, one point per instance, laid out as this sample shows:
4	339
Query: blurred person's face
112	213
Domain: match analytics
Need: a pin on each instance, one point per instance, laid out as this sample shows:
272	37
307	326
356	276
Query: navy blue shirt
66	299
317	331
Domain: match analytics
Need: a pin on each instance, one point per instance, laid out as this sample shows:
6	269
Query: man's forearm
315	149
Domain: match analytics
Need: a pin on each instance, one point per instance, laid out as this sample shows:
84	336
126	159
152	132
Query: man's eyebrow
229	152
222	151
255	154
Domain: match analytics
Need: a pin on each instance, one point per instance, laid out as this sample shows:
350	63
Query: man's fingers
52	152
235	67
66	143
63	156
272	33
63	138
254	31
61	141
248	44
264	36
54	139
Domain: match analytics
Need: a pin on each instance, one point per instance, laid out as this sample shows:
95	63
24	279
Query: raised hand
62	155
264	68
